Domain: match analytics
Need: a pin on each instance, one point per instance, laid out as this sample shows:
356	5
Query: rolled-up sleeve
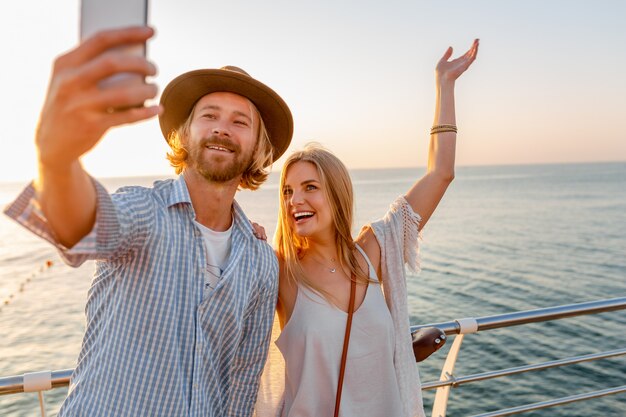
114	233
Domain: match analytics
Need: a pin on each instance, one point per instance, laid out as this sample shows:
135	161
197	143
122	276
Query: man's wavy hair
254	175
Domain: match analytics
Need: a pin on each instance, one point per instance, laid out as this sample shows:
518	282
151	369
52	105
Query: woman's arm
426	193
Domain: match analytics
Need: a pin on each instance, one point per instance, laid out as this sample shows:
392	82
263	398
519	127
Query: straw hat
182	93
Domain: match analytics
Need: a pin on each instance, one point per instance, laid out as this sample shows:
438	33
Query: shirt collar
241	220
180	194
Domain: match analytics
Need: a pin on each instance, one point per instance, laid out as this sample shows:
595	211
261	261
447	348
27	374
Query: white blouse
312	344
398	236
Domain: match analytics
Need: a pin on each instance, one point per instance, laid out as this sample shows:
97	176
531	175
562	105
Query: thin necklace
331	270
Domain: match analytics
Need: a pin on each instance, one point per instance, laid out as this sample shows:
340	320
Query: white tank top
312	343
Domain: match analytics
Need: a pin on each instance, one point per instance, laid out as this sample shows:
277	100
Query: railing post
440	405
447	373
42	404
38	382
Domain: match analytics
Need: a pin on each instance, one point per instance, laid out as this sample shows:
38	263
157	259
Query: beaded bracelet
443	128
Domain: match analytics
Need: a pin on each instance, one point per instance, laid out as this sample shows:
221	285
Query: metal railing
42	381
465	326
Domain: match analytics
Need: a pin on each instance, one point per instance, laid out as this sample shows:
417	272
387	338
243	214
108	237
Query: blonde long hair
337	187
263	156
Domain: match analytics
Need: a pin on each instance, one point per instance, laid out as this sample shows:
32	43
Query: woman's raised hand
448	71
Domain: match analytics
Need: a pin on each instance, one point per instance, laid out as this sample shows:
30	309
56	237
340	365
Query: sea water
503	239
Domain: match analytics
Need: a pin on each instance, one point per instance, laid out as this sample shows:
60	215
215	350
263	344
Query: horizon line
277	171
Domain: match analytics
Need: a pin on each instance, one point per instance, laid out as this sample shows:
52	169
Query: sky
548	85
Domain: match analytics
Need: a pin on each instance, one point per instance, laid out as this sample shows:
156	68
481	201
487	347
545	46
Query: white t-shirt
217	246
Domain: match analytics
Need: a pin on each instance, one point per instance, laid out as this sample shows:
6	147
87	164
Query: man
183	298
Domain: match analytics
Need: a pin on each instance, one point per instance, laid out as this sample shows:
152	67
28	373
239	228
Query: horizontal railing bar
553	403
521	369
534	316
15	384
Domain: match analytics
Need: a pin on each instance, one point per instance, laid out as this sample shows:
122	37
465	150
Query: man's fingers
80	108
123	96
93	61
104	109
101	42
132	115
108	64
90	87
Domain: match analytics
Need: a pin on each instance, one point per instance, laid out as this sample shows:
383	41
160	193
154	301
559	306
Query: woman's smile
306	200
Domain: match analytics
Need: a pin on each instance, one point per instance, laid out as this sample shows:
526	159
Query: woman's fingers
446	56
473	51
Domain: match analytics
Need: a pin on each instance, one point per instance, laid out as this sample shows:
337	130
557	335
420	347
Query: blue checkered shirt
153	345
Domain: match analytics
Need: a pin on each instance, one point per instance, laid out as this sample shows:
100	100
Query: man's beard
219	172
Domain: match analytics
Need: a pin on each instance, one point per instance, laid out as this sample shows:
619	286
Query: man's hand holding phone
79	108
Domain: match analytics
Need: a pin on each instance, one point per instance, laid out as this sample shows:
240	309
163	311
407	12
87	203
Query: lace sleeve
409	221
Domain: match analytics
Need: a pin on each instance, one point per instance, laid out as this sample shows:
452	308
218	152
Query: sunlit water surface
503	239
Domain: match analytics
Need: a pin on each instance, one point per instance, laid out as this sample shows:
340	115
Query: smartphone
97	15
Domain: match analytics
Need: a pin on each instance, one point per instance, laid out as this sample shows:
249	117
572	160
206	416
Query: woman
319	259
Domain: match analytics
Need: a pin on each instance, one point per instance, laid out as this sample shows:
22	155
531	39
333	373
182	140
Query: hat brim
182	93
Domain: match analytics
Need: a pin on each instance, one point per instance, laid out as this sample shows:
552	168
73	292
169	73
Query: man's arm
75	116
